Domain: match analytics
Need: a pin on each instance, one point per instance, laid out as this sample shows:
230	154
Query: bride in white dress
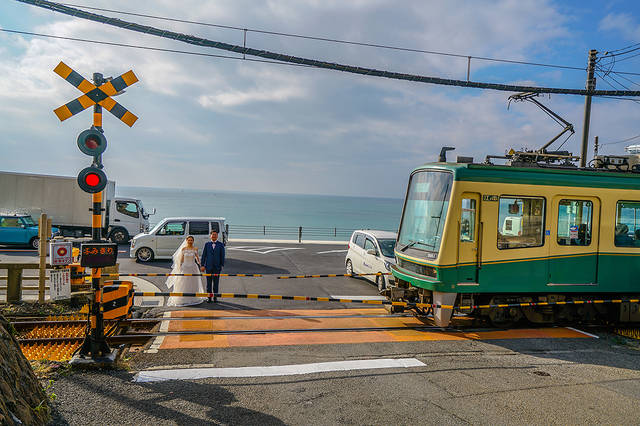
185	261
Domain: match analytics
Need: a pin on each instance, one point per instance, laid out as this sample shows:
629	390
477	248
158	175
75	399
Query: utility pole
591	86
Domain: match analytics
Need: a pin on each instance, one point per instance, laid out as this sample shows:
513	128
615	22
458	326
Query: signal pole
591	85
95	345
92	179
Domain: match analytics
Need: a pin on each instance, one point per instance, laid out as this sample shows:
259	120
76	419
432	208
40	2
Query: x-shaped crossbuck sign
93	95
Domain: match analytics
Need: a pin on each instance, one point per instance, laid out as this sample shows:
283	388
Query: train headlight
387	265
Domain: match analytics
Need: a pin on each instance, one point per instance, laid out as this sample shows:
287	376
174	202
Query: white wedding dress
187	265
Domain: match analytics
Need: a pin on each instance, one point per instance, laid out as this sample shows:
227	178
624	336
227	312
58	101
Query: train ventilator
535	230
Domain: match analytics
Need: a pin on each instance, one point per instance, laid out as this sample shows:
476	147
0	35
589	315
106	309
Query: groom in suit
212	261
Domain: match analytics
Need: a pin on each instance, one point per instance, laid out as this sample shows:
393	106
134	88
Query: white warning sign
61	253
60	284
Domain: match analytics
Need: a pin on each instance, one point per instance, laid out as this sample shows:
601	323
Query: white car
165	238
372	252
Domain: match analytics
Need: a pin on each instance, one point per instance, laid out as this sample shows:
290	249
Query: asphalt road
462	381
267	258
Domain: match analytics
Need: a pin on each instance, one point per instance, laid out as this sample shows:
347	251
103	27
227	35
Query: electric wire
157	49
331	40
609	55
621	141
198	41
624	48
629	80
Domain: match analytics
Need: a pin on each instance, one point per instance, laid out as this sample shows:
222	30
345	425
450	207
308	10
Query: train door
468	238
573	257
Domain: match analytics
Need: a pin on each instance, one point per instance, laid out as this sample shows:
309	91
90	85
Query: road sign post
93	180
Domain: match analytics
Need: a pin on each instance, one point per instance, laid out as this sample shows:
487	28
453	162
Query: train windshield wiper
411	244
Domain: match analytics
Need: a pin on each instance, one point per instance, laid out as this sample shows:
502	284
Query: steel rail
141	336
138	321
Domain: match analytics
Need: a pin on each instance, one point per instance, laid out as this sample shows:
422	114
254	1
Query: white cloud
268	127
622	23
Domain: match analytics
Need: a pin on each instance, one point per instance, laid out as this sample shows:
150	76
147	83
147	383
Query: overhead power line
331	40
157	49
622	141
198	41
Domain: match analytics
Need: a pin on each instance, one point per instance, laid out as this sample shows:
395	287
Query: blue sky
208	123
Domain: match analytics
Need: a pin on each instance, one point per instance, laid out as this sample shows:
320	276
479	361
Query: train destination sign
98	255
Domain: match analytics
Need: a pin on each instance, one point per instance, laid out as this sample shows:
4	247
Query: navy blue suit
213	261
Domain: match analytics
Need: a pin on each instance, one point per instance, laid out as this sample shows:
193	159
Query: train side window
520	222
467	219
574	222
627	231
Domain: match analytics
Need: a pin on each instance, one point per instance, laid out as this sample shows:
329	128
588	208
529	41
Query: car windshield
156	227
425	211
386	247
28	220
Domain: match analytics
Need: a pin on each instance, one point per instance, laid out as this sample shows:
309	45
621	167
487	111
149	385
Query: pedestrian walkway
281	327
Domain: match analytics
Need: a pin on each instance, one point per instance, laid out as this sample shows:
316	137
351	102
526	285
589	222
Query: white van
164	239
372	252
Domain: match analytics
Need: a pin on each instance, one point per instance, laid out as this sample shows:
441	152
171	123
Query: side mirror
372	252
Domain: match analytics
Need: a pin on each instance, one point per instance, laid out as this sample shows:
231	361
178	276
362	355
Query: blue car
20	230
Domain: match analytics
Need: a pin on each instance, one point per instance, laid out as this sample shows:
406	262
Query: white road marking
263	250
583	332
143	285
164	327
277	370
333	296
332	251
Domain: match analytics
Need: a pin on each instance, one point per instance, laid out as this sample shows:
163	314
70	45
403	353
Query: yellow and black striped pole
95	345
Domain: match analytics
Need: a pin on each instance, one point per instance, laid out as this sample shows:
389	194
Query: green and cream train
482	234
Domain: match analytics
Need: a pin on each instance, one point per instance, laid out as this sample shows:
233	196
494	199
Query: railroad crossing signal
92	180
92	142
95	95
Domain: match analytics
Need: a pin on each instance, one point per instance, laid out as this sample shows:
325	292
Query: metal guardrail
308	232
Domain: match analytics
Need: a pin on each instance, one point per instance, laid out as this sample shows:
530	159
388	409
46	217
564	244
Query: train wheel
505	317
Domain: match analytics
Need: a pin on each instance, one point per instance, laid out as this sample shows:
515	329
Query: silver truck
68	206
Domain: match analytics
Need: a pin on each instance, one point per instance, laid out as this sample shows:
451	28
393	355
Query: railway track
56	338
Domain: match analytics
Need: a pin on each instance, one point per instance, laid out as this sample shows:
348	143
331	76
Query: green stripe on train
600	273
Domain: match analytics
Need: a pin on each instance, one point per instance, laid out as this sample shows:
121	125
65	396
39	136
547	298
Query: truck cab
126	217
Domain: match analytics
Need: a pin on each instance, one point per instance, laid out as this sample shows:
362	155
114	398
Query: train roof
553	176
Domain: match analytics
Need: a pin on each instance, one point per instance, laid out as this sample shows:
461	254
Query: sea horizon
243	209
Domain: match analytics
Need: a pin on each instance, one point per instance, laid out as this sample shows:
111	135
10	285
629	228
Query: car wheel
35	243
380	282
144	254
349	267
119	236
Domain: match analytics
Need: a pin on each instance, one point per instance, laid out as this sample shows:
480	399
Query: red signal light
92	180
92	142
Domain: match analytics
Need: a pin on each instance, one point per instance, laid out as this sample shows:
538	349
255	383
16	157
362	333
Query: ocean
278	216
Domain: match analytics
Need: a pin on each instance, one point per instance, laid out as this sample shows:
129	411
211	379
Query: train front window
627	231
520	222
425	211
